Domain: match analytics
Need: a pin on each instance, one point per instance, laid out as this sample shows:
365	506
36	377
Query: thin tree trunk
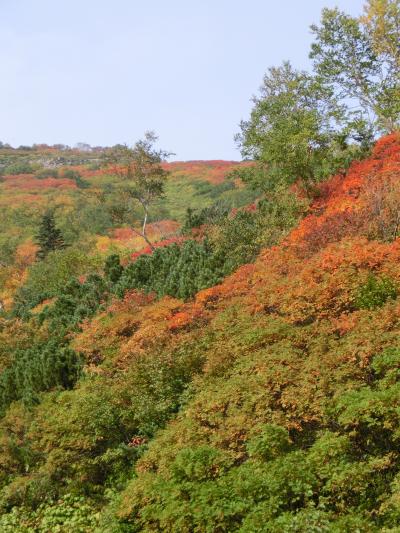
144	223
143	233
144	236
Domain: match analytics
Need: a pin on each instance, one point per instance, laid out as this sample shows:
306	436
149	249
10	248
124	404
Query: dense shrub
178	271
260	404
212	190
208	215
77	177
45	173
113	268
336	480
239	237
21	167
49	277
33	370
75	302
69	513
375	292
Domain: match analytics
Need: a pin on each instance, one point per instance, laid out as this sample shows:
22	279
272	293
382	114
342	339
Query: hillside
201	346
278	389
84	197
292	422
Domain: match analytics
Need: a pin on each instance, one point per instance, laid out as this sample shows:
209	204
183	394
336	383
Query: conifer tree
49	237
113	268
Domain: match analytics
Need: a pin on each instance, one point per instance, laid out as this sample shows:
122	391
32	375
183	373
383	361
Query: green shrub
199	464
19	167
75	302
208	215
333	481
76	176
69	514
44	173
375	292
113	268
272	442
47	278
205	188
178	271
45	366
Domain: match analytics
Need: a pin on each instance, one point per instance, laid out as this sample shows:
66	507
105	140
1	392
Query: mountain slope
84	199
270	402
293	426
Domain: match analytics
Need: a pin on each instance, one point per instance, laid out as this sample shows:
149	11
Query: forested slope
293	424
91	210
213	346
281	384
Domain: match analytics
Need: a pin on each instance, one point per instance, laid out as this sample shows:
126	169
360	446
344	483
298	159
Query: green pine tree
113	268
49	237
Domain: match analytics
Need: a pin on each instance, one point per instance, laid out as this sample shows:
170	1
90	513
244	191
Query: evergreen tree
113	268
49	237
43	366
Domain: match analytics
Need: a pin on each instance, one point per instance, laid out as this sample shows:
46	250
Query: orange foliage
347	205
16	275
214	171
25	254
29	182
184	319
127	328
309	280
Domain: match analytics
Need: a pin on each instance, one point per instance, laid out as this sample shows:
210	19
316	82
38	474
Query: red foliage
214	171
310	279
29	182
344	206
160	244
123	234
137	441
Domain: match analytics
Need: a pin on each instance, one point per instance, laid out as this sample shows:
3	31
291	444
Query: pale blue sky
104	71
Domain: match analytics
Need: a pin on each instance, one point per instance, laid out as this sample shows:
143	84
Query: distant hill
81	191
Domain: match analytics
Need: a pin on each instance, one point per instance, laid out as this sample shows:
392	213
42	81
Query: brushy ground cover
268	402
81	196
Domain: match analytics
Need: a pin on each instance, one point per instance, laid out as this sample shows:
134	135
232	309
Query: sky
105	71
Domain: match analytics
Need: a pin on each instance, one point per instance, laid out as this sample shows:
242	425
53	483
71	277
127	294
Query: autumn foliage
272	395
282	283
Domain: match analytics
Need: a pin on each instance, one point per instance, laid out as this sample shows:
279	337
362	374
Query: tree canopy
306	126
142	170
